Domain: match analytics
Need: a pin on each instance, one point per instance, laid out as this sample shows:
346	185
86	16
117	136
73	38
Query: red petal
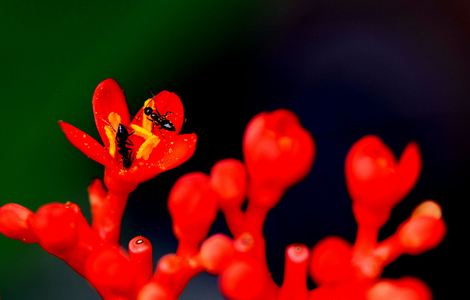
409	167
168	155
180	150
85	143
108	98
165	103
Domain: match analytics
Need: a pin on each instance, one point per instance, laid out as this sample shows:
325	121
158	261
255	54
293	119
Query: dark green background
397	68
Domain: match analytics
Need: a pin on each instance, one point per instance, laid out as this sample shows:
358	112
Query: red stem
366	239
389	249
254	222
140	254
234	218
294	285
174	272
187	248
107	215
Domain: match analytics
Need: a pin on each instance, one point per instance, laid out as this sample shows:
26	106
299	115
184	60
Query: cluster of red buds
278	153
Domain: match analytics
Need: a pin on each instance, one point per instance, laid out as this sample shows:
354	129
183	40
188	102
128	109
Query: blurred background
399	69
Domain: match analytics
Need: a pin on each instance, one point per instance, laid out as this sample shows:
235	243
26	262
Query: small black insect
123	143
158	119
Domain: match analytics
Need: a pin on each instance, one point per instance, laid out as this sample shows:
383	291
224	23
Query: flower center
150	140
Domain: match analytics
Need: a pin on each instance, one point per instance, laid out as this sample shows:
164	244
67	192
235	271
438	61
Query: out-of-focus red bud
404	289
110	270
331	261
424	230
14	223
193	206
278	151
353	290
243	280
375	179
323	293
216	253
154	291
228	179
56	227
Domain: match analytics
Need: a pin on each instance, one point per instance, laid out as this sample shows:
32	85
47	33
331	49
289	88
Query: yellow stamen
142	132
114	120
146	123
147	147
112	140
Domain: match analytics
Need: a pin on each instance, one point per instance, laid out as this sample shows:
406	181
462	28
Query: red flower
134	151
376	180
193	208
278	152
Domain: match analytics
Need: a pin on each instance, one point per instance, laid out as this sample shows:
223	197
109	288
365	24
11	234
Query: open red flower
134	151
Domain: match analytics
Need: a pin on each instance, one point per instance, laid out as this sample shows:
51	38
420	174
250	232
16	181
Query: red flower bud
323	293
14	223
278	151
424	230
154	291
331	261
56	226
193	206
216	253
376	181
404	289
228	179
373	175
354	290
243	280
110	270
